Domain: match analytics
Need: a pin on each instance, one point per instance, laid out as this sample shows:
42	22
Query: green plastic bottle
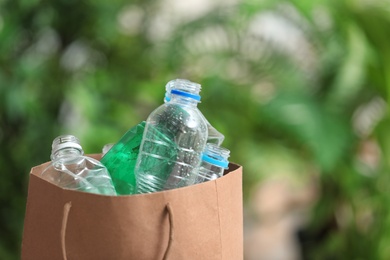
120	160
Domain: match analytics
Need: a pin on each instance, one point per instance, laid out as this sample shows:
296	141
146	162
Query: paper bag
202	221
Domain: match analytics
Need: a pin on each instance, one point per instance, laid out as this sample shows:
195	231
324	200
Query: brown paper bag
203	221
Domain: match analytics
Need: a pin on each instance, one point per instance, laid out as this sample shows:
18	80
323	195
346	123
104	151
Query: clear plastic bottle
174	138
214	162
70	169
107	148
213	135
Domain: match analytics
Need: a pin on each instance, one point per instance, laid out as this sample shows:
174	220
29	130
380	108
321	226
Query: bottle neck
216	155
210	171
182	100
66	152
184	85
210	166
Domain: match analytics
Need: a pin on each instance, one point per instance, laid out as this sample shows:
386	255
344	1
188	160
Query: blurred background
300	89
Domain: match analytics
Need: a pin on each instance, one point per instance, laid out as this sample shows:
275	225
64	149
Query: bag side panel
229	188
42	222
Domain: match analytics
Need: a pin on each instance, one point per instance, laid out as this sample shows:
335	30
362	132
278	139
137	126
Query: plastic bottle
121	158
70	169
107	148
214	162
213	135
174	138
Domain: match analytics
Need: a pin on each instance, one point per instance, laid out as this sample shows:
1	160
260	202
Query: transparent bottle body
77	172
170	153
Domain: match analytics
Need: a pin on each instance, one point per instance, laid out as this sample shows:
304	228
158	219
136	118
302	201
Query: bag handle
171	230
65	215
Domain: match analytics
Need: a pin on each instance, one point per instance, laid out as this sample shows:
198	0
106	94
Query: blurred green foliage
293	85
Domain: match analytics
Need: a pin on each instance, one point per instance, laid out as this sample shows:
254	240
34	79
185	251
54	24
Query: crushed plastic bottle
175	135
121	158
70	169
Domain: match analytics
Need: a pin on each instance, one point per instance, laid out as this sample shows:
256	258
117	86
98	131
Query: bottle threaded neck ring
65	141
185	94
182	85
